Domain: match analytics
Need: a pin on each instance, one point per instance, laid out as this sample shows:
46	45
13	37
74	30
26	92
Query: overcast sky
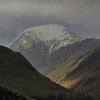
79	16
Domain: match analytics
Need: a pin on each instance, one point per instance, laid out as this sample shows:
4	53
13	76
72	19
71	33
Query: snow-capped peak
48	32
53	36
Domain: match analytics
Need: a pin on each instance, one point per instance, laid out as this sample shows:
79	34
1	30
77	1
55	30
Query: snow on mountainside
53	36
38	44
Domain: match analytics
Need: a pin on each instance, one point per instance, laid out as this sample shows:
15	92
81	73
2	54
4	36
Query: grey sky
79	16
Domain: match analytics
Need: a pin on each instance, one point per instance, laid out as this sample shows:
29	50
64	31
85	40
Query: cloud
80	16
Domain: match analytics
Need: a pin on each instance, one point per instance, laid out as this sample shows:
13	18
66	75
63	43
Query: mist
79	16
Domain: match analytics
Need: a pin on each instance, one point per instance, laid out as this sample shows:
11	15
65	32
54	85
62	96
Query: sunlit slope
81	51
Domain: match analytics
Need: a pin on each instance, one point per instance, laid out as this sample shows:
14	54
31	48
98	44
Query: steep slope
59	56
70	54
18	74
89	71
41	42
75	54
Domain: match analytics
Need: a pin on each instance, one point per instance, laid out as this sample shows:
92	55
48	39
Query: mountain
20	81
89	72
17	74
42	41
73	73
59	56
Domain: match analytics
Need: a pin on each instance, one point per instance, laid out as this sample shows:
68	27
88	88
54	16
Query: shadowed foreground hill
20	81
17	73
7	94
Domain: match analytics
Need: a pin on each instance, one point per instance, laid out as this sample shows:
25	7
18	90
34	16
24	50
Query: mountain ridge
58	64
32	42
18	74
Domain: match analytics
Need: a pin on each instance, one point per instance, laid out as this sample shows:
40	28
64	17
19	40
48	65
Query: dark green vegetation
7	94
